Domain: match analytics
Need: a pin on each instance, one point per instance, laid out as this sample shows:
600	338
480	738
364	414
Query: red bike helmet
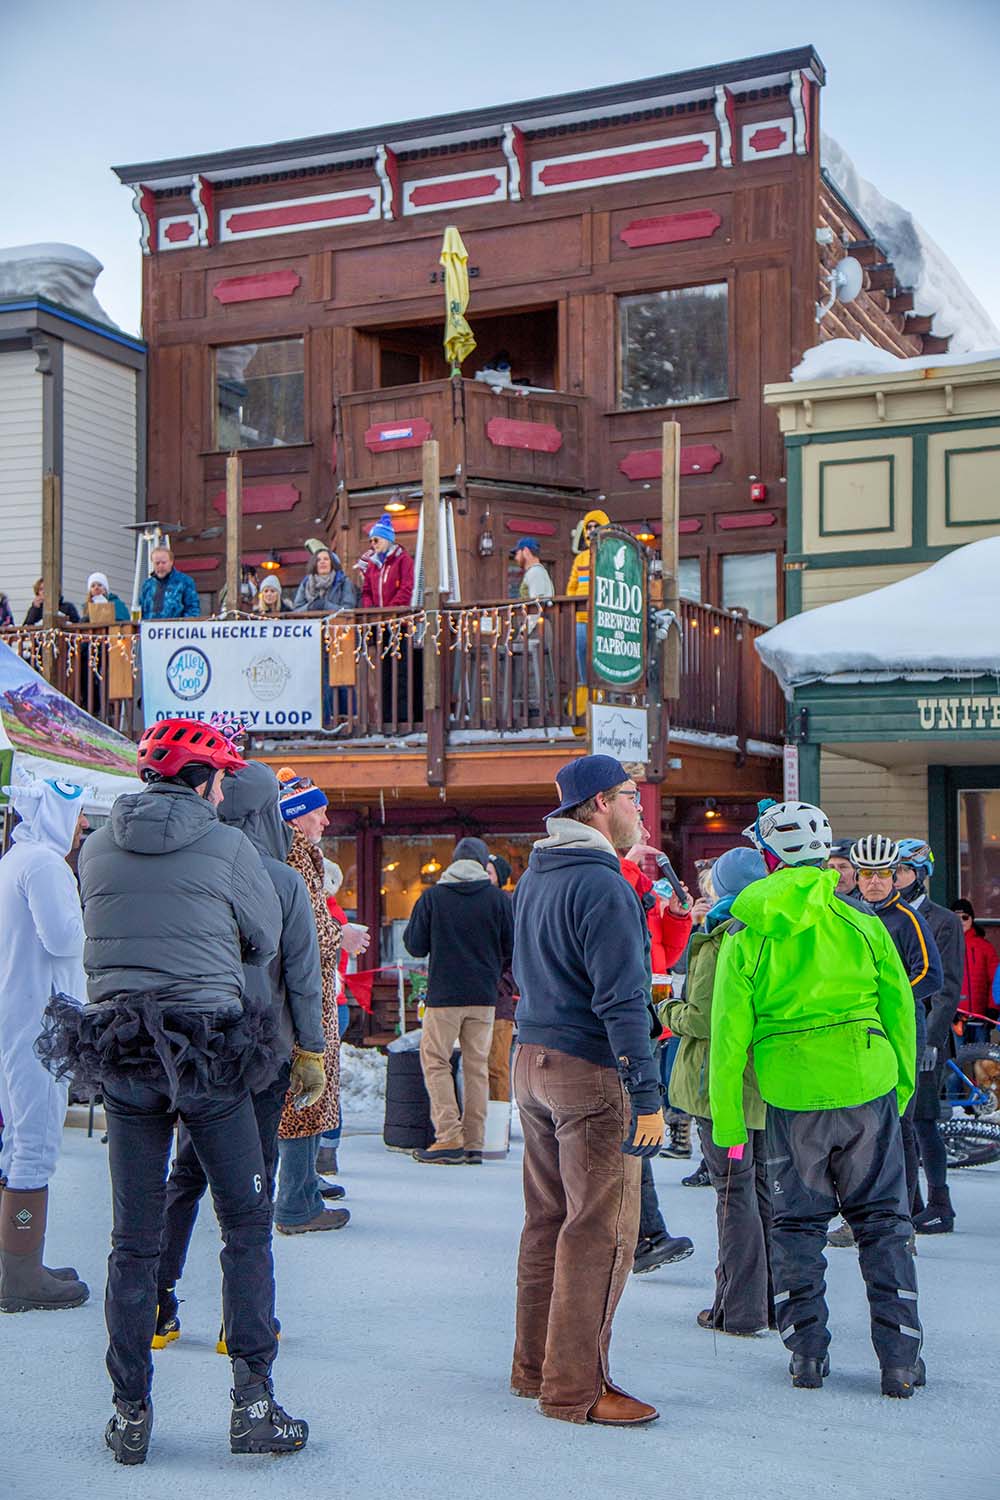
166	748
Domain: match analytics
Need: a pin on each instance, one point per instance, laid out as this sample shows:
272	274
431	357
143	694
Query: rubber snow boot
326	1161
807	1372
679	1145
258	1424
902	1380
332	1190
61	1273
25	1285
663	1250
168	1324
700	1177
939	1215
128	1432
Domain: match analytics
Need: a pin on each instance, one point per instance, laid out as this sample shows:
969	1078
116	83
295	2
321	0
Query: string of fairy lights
469	629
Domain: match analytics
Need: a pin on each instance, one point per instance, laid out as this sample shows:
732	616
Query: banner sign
790	761
621	732
618	612
268	673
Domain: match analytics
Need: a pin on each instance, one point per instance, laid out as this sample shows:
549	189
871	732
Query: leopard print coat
325	1113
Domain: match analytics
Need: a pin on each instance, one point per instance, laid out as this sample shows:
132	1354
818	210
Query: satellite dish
848	279
845	282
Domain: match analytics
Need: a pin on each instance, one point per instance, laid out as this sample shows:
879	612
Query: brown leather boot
616	1409
24	1282
61	1273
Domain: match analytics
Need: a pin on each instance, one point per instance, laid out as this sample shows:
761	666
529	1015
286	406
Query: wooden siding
861	798
99	472
20	476
827	585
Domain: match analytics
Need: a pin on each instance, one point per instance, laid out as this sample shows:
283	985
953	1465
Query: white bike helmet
797	833
874	852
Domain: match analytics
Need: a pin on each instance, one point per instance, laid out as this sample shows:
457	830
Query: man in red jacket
388	569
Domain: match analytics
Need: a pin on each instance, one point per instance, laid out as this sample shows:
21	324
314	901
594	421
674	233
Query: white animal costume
41	954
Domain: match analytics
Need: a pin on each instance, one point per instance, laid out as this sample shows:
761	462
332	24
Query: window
344	852
674	346
750	582
689	578
260	395
411	864
979	851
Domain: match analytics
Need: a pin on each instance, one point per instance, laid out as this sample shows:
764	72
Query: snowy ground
396	1347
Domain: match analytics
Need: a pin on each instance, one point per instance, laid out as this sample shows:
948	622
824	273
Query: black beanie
502	867
472	849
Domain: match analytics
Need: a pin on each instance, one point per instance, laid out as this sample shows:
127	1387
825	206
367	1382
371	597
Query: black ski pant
851	1159
744	1296
224	1131
187	1182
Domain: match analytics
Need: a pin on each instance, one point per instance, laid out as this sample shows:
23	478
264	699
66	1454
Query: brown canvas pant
472	1027
581	1222
503	1035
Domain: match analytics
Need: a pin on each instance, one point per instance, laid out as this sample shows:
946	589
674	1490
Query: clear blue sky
911	95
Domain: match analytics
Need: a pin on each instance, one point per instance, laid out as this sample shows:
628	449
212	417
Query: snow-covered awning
943	622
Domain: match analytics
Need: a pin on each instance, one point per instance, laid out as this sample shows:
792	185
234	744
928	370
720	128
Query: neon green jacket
817	990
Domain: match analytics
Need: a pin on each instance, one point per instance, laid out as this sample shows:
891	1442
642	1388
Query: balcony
510	436
506	674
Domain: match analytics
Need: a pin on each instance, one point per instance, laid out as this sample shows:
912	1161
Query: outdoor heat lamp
271	563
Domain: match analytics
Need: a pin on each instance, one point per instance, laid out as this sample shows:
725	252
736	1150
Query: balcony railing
505	669
515	435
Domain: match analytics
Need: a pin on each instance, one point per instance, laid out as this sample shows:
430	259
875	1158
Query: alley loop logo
267	676
189	673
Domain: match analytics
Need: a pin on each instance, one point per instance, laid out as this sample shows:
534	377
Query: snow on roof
63	274
942	622
938	289
840	357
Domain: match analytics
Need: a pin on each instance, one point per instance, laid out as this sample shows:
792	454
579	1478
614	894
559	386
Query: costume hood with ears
599	517
49	811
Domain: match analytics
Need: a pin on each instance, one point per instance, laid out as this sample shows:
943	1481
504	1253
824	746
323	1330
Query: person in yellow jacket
579	588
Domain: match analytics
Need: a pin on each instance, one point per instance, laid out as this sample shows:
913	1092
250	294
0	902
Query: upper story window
674	346
260	394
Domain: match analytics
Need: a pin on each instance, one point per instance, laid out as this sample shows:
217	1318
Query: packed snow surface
942	621
63	274
841	357
396	1340
938	289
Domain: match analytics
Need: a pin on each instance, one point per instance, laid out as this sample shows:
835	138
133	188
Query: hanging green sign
618	611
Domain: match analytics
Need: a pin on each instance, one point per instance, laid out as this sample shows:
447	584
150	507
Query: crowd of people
195	969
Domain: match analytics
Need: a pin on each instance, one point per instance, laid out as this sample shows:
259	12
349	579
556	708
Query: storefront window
979	851
689	578
674	346
750	582
260	394
344	852
411	864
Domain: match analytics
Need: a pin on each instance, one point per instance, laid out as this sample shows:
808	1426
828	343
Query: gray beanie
472	849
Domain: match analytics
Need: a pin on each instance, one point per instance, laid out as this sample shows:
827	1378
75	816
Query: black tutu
160	1041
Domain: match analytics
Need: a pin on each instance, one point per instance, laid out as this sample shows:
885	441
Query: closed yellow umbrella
458	340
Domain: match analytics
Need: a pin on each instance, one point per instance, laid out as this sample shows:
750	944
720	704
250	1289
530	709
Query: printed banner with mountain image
44	734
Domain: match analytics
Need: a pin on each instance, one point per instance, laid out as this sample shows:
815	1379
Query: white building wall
861	798
99	472
20	477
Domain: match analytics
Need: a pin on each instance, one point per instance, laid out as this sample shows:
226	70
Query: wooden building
650	251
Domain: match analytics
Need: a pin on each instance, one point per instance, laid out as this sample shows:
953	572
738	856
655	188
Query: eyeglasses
885	874
631	792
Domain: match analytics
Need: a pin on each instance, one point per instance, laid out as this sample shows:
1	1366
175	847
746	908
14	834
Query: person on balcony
325	587
388	569
168	594
6	613
535	580
66	609
270	600
99	592
579	588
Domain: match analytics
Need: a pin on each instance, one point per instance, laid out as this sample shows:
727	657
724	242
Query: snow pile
63	274
943	622
938	289
840	357
362	1081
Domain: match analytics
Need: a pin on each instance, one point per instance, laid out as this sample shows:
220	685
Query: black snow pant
744	1296
851	1159
223	1129
187	1182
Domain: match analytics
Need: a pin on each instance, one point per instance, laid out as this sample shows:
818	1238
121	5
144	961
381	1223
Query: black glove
928	1061
650	1127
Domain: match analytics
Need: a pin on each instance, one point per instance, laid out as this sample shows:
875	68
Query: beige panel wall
963	486
860	798
827	585
846	495
20	476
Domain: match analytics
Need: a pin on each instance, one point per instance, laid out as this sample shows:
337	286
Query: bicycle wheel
970	1143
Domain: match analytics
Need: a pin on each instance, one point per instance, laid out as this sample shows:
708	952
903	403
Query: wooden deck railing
504	668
